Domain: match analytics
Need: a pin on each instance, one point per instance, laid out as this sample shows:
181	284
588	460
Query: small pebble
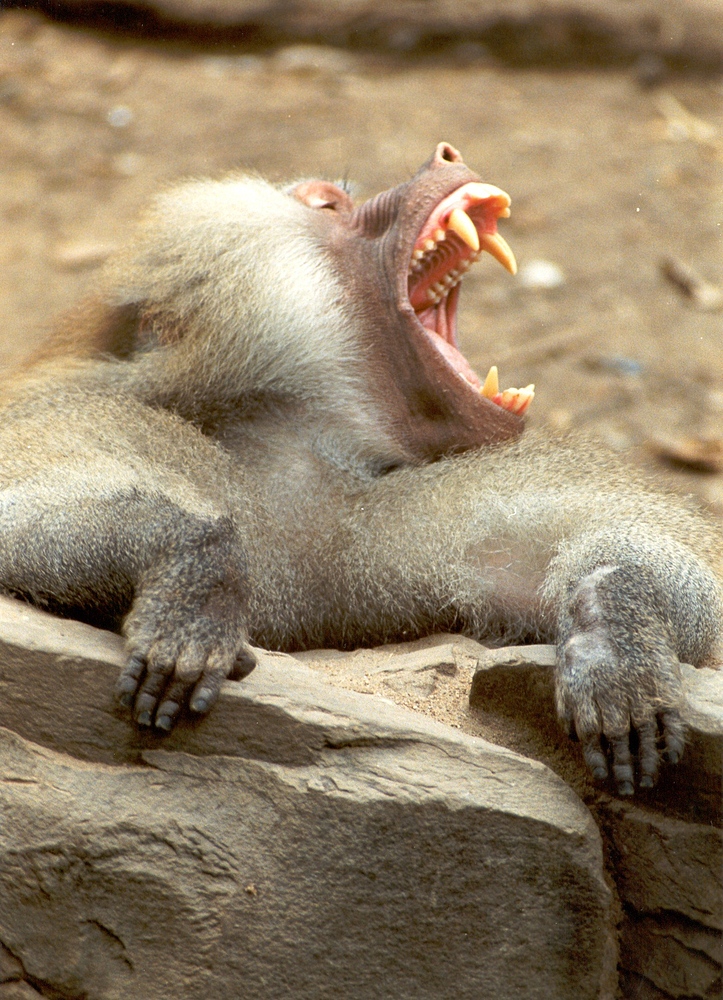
622	365
313	58
82	255
540	274
120	116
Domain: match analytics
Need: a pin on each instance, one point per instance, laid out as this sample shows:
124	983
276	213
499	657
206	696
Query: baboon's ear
323	194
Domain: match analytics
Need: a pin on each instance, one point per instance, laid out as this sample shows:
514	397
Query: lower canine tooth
491	384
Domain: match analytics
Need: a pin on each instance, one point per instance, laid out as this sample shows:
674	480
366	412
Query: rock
679	960
303	842
18	991
668	876
665	865
10	967
514	679
665	850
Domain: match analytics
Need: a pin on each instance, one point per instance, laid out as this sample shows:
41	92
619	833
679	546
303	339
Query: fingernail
144	719
165	723
200	702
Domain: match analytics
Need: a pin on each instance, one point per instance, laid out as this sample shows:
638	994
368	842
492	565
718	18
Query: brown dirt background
611	170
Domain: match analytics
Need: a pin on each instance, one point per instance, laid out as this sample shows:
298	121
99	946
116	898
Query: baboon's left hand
617	671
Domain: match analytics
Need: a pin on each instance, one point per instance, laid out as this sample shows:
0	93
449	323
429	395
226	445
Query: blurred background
603	120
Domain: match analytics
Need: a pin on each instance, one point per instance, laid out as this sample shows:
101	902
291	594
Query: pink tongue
453	357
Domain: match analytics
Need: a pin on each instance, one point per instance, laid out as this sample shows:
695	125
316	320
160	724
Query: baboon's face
401	258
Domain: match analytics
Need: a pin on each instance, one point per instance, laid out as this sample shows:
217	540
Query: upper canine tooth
493	243
461	224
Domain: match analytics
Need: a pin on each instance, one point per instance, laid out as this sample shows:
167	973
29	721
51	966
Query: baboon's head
297	292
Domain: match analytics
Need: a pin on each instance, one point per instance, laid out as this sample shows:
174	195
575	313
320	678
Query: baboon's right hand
186	635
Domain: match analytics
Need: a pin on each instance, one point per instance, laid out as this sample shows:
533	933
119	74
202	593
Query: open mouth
457	232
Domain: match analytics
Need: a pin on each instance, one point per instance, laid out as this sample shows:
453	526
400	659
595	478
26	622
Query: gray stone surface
10	968
18	991
304	842
665	850
679	960
665	865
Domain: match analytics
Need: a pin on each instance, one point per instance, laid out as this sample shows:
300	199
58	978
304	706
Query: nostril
447	154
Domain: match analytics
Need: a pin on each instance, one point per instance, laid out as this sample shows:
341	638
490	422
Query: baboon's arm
556	544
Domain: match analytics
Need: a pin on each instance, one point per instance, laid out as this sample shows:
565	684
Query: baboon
260	427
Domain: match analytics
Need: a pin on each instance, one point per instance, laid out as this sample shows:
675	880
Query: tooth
524	398
505	213
439	235
418	254
461	224
432	295
492	383
493	243
429	245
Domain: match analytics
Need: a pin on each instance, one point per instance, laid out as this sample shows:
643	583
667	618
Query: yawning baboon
261	427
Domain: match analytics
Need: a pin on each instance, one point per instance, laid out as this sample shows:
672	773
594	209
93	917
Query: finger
129	679
647	753
594	756
206	692
191	662
243	664
674	730
157	674
622	764
174	698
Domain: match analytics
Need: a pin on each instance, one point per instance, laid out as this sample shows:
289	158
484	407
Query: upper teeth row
429	246
437	291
